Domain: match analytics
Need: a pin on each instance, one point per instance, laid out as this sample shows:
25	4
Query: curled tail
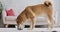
47	3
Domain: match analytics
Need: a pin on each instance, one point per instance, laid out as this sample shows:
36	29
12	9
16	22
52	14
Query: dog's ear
47	3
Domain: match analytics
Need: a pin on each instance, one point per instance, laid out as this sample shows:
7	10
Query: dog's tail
48	3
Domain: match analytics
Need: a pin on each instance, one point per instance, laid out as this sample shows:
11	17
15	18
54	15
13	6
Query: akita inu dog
31	12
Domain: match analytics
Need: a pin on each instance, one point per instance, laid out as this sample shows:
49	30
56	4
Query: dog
31	12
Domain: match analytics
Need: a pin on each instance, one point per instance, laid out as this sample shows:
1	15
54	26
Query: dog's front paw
20	29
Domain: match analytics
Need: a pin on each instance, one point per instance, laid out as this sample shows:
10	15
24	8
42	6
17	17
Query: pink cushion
10	12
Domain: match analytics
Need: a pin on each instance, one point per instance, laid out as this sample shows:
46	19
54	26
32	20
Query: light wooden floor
28	30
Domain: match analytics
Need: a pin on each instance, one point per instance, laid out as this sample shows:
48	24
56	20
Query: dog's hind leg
51	20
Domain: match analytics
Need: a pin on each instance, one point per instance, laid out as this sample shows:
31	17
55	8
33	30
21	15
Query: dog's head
47	3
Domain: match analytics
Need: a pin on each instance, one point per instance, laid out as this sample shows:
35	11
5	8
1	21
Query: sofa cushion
10	18
39	21
10	12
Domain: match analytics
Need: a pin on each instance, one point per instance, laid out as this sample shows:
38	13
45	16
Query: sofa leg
15	26
6	25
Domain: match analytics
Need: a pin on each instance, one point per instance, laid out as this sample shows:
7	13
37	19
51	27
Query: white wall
18	5
57	9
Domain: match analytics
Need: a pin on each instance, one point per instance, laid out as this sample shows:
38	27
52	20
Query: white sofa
11	20
8	19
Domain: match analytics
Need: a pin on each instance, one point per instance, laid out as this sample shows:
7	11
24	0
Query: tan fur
31	12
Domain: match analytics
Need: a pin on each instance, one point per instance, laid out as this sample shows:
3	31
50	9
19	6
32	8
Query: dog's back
41	8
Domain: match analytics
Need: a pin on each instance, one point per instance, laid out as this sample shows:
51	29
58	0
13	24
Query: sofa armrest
3	16
3	13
